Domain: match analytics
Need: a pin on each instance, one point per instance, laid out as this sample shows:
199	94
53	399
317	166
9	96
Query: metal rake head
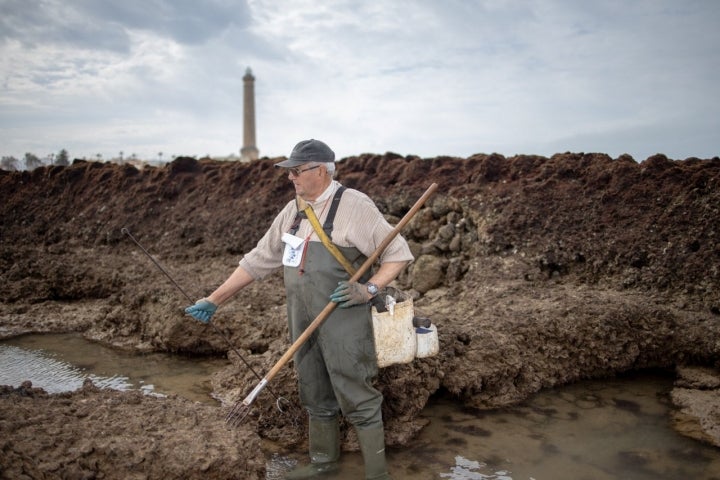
236	415
241	409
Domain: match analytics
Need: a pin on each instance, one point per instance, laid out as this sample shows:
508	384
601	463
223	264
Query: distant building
249	150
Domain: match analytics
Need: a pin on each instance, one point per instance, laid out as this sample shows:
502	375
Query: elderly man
337	364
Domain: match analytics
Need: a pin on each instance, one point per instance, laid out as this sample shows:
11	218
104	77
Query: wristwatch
372	289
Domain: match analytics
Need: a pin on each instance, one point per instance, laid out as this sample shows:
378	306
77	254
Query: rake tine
237	414
240	410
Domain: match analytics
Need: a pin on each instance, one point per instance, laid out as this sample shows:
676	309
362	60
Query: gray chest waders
337	364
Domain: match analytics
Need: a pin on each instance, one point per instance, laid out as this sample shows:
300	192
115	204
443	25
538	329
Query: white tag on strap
293	250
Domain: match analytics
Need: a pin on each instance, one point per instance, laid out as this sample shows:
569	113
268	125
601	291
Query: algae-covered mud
539	272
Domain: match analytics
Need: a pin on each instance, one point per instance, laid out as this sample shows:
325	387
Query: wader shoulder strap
301	206
296	223
324	233
330	219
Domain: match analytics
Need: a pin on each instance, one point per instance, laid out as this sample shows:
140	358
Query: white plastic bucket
428	343
395	338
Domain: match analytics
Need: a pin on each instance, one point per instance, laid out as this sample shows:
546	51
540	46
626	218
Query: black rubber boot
372	445
324	440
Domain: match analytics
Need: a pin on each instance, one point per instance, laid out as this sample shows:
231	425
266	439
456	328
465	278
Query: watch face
372	288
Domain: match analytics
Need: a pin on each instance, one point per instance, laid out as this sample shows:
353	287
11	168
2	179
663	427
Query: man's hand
203	310
348	294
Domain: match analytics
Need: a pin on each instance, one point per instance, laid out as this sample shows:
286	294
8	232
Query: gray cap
308	151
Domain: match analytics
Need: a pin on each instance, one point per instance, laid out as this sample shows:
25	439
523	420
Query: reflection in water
53	375
596	430
61	362
471	470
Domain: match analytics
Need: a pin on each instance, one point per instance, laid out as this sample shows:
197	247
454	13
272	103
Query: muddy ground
538	272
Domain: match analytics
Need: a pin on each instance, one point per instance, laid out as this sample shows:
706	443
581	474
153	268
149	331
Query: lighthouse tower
248	151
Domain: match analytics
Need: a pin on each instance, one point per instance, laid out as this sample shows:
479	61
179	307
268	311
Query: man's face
309	180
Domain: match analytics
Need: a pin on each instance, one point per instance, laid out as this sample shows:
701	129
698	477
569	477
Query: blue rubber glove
348	294
203	310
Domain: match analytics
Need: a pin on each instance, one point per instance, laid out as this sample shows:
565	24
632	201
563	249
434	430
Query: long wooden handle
331	306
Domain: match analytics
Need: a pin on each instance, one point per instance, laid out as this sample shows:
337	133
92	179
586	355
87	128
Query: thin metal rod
219	332
127	232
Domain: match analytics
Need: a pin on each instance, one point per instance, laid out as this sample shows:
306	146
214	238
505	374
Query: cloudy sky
420	77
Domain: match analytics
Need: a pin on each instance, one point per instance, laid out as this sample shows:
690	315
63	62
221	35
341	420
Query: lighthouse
249	150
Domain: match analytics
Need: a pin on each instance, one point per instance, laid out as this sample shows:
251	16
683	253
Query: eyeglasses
295	172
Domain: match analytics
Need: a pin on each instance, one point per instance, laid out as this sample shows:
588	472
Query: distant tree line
32	161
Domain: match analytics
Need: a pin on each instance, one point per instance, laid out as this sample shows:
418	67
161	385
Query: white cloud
415	77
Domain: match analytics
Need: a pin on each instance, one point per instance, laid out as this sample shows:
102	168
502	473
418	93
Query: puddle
61	362
594	430
610	429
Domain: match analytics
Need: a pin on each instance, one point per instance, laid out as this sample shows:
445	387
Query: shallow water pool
62	362
595	430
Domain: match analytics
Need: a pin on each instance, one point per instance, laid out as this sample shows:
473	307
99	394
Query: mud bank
538	272
94	433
